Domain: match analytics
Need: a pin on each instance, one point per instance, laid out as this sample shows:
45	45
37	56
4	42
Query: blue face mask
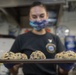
38	25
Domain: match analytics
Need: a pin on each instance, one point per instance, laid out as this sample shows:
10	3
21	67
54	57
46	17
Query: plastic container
70	43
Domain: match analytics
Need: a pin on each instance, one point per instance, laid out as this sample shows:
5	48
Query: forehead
38	10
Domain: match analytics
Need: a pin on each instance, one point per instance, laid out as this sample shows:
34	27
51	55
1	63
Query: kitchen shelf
39	61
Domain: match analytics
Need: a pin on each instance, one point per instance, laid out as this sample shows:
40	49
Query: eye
42	16
34	16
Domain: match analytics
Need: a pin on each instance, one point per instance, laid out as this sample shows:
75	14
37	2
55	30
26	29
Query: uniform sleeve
59	46
15	48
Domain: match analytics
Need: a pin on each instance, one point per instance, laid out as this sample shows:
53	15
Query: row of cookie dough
66	55
11	55
35	55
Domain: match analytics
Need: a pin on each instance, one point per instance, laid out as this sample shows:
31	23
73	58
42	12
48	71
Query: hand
14	69
62	72
66	66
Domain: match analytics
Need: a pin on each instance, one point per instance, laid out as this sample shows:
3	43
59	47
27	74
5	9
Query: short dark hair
37	3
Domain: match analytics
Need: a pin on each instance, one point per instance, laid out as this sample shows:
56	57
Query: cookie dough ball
66	55
24	56
18	55
37	55
10	53
21	56
59	56
70	54
12	57
7	55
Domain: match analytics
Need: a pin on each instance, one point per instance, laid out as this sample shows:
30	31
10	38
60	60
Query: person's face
38	13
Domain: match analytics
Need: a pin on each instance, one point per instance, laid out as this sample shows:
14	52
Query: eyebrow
39	14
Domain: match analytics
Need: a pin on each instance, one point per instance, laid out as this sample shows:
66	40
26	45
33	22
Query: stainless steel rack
39	61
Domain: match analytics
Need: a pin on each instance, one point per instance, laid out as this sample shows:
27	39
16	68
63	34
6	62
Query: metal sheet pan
39	61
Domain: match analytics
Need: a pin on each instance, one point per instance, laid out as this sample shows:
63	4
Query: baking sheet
39	61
